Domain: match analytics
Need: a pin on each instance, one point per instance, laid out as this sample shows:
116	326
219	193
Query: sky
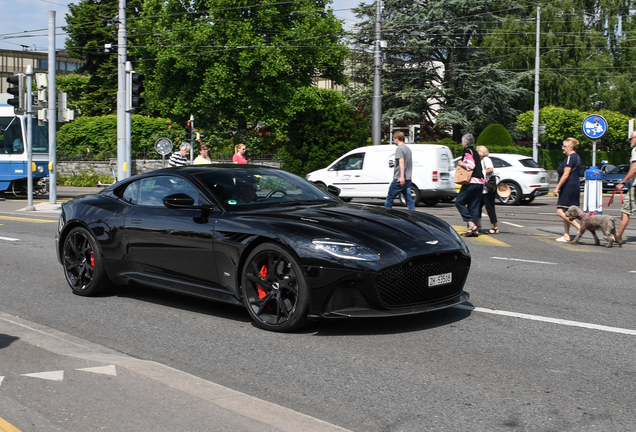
21	19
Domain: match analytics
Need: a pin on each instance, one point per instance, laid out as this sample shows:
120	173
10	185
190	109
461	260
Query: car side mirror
178	200
335	191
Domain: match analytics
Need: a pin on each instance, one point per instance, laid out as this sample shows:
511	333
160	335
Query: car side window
499	163
153	190
351	162
131	193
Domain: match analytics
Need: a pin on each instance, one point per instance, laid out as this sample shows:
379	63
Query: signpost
594	127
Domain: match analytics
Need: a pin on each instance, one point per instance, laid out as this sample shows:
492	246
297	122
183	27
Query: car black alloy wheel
274	289
83	265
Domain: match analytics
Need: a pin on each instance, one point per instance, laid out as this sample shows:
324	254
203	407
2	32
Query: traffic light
417	134
17	89
136	88
188	129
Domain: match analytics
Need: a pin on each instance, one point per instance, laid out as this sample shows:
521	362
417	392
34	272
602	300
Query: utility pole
29	135
51	113
535	120
122	167
376	125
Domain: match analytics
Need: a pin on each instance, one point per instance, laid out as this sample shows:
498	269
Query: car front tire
274	289
83	263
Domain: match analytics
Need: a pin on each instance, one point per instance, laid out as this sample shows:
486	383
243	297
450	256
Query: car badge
308	220
432	242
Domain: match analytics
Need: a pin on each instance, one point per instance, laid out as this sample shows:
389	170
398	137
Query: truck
14	156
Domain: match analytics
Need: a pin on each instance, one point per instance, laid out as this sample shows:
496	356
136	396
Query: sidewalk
50	380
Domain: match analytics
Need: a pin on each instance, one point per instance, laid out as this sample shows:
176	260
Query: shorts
629	206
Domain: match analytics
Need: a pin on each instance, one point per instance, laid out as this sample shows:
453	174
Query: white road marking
550	320
553	213
514	225
9	239
52	376
104	370
522	260
1	379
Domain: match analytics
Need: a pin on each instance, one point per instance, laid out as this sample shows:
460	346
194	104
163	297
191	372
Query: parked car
522	174
614	176
367	172
263	238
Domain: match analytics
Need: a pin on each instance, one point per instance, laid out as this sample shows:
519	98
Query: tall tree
91	25
434	68
587	48
235	63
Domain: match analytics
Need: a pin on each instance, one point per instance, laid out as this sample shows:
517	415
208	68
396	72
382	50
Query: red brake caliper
92	259
261	290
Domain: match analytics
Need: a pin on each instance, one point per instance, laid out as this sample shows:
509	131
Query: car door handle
136	221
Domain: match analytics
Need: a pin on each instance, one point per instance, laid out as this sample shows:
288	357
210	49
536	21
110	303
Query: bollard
593	194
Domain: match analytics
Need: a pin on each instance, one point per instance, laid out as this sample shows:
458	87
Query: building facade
17	61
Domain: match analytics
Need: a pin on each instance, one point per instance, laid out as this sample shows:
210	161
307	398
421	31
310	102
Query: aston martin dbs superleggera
263	238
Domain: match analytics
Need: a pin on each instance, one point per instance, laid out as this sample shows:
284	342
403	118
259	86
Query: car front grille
407	284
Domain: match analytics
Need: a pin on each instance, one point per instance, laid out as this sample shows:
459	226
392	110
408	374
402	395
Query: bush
494	135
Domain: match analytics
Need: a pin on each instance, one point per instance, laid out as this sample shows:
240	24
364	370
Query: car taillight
435	176
532	172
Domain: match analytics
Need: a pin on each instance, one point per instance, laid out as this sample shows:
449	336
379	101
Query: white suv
525	178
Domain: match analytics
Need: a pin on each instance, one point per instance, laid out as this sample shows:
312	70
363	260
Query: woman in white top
487	198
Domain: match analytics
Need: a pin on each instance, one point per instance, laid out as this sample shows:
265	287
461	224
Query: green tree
235	65
587	52
321	128
434	68
77	88
90	25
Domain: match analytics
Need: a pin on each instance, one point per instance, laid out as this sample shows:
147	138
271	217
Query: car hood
392	233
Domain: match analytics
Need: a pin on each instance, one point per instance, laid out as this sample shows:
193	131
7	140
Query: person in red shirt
239	154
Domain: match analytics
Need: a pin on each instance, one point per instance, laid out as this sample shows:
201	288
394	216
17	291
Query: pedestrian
178	158
629	207
568	189
487	197
239	154
469	196
203	156
402	171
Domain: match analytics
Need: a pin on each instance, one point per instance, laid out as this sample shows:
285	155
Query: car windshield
251	188
621	169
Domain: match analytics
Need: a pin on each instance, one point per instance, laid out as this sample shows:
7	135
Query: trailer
14	156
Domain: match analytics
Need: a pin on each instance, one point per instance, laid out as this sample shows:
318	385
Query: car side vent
235	237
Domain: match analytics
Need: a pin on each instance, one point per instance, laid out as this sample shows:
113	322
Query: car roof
510	156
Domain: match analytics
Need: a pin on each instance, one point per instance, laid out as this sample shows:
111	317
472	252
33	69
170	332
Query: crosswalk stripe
7	427
483	239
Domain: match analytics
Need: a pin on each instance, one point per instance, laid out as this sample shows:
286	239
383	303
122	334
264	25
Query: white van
366	172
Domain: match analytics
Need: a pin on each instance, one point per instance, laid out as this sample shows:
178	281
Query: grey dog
592	222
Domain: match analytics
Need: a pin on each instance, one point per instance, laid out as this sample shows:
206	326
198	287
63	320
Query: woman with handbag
490	190
469	196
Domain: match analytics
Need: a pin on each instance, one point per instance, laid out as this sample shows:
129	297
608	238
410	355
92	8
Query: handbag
491	184
462	175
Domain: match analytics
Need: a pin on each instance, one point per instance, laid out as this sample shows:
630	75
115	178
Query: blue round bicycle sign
594	126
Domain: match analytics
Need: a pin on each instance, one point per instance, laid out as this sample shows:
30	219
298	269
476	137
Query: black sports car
264	238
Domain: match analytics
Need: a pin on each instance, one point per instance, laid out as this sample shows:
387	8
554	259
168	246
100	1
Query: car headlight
346	250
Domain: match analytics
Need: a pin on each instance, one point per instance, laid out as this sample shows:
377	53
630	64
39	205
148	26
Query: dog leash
610	200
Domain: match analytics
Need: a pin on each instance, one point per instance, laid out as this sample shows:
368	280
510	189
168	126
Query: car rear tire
415	194
83	263
274	289
447	199
515	194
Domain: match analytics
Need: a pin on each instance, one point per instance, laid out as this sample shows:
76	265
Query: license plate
440	279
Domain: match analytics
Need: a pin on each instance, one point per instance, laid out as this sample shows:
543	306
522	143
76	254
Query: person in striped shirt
179	158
